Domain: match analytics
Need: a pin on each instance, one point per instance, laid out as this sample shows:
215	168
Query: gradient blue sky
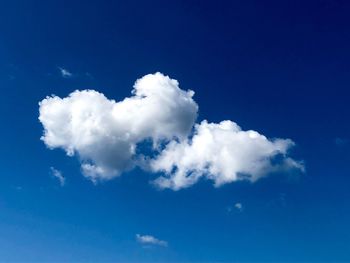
279	67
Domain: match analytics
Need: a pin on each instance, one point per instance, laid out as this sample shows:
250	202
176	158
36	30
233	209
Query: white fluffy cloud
220	152
105	135
150	240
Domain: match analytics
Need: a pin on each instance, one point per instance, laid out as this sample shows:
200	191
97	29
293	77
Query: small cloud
58	174
150	240
341	141
65	73
89	75
238	207
282	199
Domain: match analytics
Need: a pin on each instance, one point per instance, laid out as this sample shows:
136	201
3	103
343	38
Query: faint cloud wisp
238	207
58	174
150	240
65	73
341	141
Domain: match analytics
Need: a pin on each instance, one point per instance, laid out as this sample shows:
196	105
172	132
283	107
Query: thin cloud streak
150	240
58	174
65	73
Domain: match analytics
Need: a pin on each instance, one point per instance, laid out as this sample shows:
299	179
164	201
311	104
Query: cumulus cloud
58	174
221	152
150	240
106	136
105	133
65	73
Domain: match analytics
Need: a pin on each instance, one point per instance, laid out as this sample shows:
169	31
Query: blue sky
280	68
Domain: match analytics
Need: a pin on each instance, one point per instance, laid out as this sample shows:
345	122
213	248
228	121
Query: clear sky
281	68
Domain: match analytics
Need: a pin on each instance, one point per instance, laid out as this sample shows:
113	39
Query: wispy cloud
341	141
150	240
238	207
89	75
58	174
65	73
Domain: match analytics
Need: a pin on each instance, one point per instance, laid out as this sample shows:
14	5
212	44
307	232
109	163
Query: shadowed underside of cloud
105	135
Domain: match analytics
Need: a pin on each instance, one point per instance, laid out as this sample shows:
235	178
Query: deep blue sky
279	67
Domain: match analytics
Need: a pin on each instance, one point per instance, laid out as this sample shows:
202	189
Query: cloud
108	137
341	141
58	174
105	133
65	73
221	152
150	240
237	206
